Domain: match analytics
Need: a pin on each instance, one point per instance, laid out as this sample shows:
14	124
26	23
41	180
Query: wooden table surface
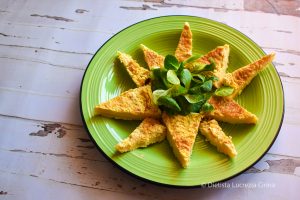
45	46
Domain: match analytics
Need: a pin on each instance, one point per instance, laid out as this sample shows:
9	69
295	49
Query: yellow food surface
138	74
214	134
241	77
227	110
152	58
133	104
220	56
148	132
182	131
184	47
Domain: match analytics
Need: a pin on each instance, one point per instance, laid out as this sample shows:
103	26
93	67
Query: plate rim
165	184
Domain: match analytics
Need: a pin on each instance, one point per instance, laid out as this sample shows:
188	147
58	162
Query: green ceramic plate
105	78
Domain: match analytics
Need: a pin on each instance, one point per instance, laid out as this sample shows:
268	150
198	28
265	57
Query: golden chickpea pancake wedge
138	74
184	47
181	134
152	58
227	110
150	131
220	56
133	104
215	135
241	77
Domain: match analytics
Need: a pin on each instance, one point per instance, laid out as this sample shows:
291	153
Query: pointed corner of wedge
143	47
150	131
216	136
138	74
184	47
242	77
181	134
186	24
152	58
134	104
228	110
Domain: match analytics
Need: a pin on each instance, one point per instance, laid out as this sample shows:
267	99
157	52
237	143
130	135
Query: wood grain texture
279	7
76	162
44	49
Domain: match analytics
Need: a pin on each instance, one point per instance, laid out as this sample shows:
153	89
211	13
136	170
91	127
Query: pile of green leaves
178	90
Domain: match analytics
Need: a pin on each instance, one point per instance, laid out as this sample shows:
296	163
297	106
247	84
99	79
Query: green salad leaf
159	93
194	98
192	59
181	67
207	86
196	89
156	79
171	62
213	78
177	90
202	67
208	67
169	102
198	78
187	107
207	107
224	91
185	77
172	77
198	67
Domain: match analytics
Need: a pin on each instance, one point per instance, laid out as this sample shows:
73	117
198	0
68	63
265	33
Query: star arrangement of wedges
181	130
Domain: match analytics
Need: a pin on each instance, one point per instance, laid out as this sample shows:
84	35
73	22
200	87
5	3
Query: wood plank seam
43	48
40	121
46	63
53	154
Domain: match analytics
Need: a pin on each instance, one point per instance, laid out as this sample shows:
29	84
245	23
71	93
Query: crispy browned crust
182	131
133	104
152	58
220	56
241	77
150	131
215	135
184	47
138	74
227	110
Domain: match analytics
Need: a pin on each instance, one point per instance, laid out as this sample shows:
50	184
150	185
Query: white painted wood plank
19	186
44	138
68	141
99	175
63	14
284	144
39	78
286	63
34	56
250	23
291	100
231	4
63	160
49	38
40	107
92	10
